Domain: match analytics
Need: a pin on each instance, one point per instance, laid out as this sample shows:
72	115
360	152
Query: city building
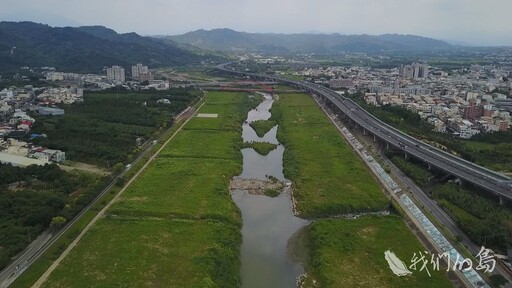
141	73
115	74
139	69
473	111
415	70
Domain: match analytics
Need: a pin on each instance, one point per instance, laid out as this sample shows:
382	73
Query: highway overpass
491	181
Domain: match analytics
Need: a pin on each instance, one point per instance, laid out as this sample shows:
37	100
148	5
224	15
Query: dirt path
56	263
84	167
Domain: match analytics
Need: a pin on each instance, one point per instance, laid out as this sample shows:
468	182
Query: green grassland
152	253
195	143
261	127
184	188
350	253
176	225
328	177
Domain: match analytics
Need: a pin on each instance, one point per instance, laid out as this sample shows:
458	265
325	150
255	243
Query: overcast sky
481	22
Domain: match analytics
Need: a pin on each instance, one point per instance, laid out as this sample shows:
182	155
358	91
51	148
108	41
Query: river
268	223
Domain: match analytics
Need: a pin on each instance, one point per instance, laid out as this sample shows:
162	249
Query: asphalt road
441	216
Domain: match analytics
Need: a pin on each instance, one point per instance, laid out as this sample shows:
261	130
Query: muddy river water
268	223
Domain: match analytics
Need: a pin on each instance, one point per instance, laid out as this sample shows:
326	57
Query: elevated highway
491	181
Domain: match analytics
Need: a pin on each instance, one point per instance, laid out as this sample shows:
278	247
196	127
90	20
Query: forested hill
230	40
84	49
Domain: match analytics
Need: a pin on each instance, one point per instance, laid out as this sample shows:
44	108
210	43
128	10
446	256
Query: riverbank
263	195
330	180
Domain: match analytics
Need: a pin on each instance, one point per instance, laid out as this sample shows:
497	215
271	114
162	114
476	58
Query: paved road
430	205
43	242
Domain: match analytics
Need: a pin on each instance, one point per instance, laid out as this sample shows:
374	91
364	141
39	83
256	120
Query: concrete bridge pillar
502	201
374	138
364	131
405	155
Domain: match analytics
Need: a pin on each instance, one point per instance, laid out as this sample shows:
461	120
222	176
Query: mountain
230	40
84	49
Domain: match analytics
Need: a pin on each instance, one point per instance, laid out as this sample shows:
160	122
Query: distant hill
230	40
84	49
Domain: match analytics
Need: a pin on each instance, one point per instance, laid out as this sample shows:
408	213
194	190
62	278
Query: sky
474	22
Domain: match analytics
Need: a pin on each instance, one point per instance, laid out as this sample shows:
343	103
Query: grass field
350	253
152	253
216	144
184	188
328	176
176	226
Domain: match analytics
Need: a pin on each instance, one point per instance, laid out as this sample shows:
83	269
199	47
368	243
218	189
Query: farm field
176	225
350	253
329	178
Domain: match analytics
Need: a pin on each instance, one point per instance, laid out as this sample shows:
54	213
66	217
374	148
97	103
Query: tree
57	223
498	280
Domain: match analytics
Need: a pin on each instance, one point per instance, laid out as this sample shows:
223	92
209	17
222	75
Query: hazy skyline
474	22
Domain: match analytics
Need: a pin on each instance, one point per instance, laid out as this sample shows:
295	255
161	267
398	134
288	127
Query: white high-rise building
139	70
115	74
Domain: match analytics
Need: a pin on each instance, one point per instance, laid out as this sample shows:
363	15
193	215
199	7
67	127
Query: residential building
415	70
138	70
141	73
473	111
115	74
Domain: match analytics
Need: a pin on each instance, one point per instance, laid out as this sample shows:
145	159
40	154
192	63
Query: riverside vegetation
329	179
261	127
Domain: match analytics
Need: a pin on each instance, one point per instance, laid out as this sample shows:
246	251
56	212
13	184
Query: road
46	239
441	216
489	180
